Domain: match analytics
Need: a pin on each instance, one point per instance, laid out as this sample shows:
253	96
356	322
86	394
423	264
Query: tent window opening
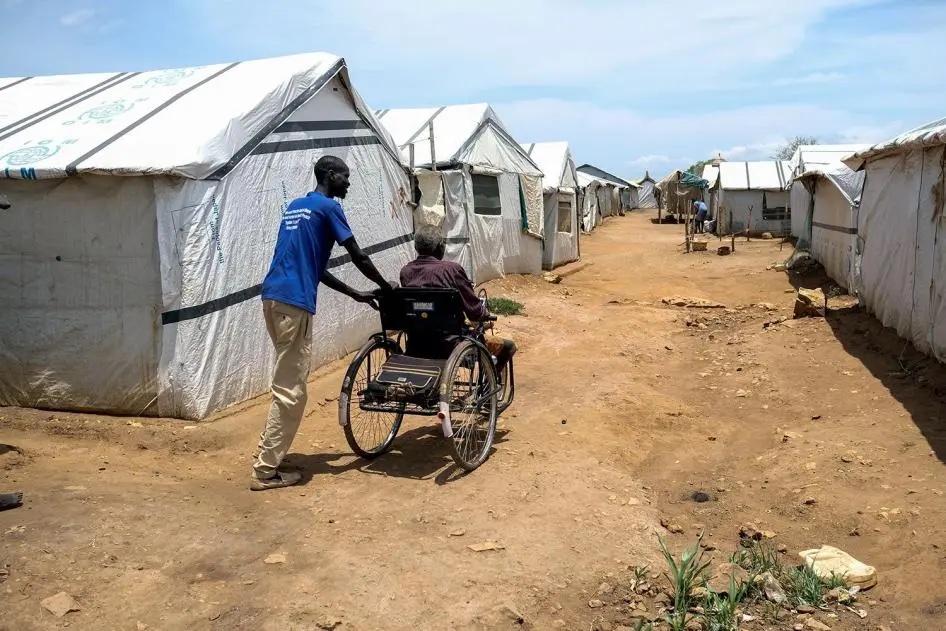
774	213
486	195
564	216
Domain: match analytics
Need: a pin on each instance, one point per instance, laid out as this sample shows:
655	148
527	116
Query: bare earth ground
622	411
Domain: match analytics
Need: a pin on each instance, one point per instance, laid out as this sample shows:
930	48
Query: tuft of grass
643	626
834	581
720	609
759	558
684	576
803	586
504	306
640	575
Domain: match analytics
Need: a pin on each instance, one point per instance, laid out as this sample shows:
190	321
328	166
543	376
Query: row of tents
872	215
145	207
874	218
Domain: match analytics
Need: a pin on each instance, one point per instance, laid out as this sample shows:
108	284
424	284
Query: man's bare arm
364	264
333	283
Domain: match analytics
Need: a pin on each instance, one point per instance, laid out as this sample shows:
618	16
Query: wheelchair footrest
403	376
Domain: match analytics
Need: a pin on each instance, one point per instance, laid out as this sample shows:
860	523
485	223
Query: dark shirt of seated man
430	270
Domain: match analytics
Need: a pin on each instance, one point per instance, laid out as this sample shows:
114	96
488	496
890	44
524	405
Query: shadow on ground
918	382
419	454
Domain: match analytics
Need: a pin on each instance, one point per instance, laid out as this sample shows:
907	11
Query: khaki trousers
290	329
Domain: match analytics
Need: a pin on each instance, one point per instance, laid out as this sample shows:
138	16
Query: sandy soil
823	430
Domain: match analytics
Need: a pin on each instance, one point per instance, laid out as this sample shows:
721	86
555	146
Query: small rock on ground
328	624
60	604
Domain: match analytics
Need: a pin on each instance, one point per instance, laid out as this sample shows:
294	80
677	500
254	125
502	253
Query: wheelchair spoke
473	407
369	432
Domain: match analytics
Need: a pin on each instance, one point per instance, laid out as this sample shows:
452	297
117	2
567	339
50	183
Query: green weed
684	576
720	609
803	586
504	306
834	581
758	559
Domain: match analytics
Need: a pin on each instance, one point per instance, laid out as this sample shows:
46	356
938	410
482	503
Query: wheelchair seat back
429	317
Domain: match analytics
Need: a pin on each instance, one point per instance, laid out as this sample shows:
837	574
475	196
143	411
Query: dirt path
622	411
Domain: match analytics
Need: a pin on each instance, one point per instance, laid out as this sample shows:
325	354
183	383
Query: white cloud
629	84
814	78
650	159
536	42
110	26
77	17
746	133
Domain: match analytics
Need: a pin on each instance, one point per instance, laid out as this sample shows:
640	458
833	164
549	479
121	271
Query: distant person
699	207
658	195
430	270
310	227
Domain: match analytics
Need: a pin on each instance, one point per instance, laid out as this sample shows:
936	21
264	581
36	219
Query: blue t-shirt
310	228
701	208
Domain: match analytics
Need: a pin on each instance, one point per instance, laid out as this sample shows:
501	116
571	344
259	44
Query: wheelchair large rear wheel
470	385
369	433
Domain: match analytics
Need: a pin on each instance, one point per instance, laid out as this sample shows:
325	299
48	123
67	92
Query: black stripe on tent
338	261
219	304
55	108
278	120
423	127
73	167
833	228
284	146
456	240
18	82
292	126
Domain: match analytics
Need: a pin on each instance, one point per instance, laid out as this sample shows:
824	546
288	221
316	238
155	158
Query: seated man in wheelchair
430	270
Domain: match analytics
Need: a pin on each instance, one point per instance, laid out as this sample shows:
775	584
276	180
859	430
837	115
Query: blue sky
632	85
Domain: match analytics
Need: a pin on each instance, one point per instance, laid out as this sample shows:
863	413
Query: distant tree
697	167
786	151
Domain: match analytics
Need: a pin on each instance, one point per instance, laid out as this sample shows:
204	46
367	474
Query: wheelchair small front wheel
369	433
470	385
507	391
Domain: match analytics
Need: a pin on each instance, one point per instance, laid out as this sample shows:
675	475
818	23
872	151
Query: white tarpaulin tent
833	192
145	210
807	158
645	192
900	262
751	195
591	212
615	194
560	187
485	192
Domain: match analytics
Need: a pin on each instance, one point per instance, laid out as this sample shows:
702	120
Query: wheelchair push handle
377	293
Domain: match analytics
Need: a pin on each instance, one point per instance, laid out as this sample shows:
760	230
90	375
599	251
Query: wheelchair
425	361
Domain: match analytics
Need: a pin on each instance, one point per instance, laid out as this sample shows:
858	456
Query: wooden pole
433	147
